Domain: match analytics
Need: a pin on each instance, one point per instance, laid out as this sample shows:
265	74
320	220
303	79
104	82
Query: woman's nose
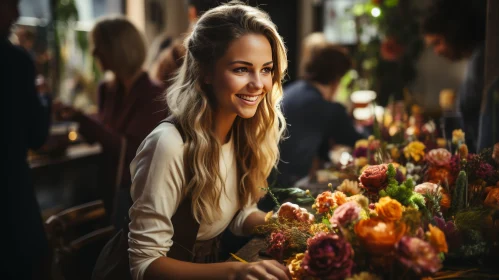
256	83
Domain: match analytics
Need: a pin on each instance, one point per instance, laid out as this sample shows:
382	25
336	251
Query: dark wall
284	14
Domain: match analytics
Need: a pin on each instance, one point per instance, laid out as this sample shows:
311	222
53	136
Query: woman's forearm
165	268
252	221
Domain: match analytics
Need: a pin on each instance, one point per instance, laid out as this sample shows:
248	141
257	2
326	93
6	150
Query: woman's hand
263	270
64	112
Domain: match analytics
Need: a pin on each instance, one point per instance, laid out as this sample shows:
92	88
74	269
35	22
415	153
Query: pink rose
439	157
426	188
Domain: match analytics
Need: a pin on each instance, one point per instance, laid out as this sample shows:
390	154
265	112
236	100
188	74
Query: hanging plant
389	45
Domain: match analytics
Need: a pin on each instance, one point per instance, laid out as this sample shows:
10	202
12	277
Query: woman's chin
247	114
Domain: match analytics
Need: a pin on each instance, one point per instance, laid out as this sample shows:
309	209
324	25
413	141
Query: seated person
315	120
130	106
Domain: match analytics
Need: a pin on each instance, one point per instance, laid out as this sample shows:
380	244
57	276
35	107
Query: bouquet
398	220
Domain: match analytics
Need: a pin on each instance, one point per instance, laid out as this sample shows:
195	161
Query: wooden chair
77	235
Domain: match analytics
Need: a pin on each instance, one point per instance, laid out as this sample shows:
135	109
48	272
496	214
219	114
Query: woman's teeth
250	98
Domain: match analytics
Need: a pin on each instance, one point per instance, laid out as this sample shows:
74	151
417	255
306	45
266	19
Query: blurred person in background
130	105
169	59
25	125
455	29
315	120
489	119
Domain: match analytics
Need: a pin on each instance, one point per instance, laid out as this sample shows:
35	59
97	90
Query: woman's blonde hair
255	139
121	43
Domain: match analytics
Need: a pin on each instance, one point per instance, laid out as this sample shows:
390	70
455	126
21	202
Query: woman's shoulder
164	139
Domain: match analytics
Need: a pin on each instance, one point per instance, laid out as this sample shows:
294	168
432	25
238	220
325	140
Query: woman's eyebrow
248	63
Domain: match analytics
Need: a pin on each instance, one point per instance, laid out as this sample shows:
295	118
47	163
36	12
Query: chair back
77	235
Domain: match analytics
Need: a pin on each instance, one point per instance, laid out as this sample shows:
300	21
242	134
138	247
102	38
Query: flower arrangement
390	225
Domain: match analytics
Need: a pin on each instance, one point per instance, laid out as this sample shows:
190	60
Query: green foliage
326	221
398	20
404	193
297	195
433	203
459	197
274	198
392	173
471	219
475	246
412	218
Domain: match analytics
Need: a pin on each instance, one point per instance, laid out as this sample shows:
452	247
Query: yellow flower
395	153
437	239
415	150
362	143
268	216
316	228
339	198
294	266
441	143
463	150
457	136
360	199
349	187
361	162
389	209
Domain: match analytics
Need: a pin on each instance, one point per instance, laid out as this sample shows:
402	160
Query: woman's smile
249	99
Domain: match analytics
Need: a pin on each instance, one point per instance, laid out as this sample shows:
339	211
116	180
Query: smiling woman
208	162
241	78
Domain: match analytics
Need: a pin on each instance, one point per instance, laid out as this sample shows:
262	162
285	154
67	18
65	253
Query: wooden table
67	180
251	251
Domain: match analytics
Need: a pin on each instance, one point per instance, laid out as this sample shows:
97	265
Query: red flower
328	257
277	245
374	178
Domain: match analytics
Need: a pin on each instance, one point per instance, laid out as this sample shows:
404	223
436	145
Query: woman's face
101	61
242	77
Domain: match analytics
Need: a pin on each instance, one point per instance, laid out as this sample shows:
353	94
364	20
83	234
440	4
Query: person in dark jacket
455	29
315	120
25	125
489	118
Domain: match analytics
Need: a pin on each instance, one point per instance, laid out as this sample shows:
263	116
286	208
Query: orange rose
324	202
445	201
389	209
439	176
327	201
437	239
492	199
378	236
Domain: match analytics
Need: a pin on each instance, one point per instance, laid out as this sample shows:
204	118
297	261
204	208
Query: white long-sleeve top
157	181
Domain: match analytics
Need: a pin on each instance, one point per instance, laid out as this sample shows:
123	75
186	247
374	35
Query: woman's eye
240	70
267	70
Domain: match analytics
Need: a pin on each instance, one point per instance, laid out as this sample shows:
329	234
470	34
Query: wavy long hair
189	99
